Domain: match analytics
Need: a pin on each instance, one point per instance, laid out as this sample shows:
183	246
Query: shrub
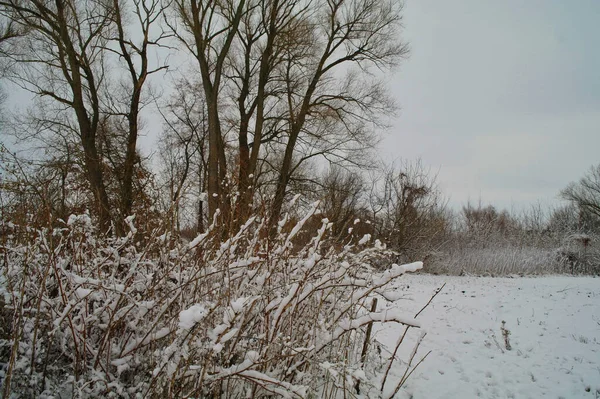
87	316
497	260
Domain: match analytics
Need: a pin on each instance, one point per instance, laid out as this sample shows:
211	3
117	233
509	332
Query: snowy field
554	325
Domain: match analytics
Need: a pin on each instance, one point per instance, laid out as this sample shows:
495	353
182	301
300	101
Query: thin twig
430	299
402	339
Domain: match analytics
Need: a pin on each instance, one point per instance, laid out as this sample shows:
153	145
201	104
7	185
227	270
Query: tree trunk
211	82
213	160
93	168
225	189
249	161
283	180
126	200
88	125
242	208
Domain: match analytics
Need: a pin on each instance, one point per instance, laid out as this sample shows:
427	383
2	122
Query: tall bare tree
301	76
209	28
62	59
134	49
256	87
338	35
183	150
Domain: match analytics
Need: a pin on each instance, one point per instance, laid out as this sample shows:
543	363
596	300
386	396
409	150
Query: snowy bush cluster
504	255
87	316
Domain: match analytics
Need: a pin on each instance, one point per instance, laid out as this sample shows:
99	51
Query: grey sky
502	96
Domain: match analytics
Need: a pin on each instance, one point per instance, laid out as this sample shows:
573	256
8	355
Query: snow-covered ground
554	325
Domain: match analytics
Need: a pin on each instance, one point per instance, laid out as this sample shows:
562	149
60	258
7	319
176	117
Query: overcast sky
502	96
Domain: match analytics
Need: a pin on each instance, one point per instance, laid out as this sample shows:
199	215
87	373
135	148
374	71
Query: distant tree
585	195
408	208
341	193
182	153
533	219
564	219
486	220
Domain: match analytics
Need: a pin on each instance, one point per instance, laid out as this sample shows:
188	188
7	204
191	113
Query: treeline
267	100
403	207
261	88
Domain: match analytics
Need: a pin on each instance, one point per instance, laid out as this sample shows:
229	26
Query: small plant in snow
86	316
505	335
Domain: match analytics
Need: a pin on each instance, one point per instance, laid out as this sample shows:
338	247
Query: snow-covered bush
86	316
513	255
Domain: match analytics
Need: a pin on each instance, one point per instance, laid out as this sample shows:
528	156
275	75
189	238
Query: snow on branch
94	315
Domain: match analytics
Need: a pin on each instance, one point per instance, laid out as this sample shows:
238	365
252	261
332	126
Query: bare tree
408	208
9	31
62	59
298	78
40	192
135	55
336	35
255	87
484	221
183	149
209	28
341	199
564	220
585	195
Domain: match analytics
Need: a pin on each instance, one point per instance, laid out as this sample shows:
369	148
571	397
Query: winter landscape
299	199
504	337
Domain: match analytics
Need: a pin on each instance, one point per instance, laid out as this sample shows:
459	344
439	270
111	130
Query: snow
253	356
122	361
82	292
395	271
189	317
395	315
155	336
301	223
83	219
284	392
197	240
218	312
238	305
554	325
129	221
